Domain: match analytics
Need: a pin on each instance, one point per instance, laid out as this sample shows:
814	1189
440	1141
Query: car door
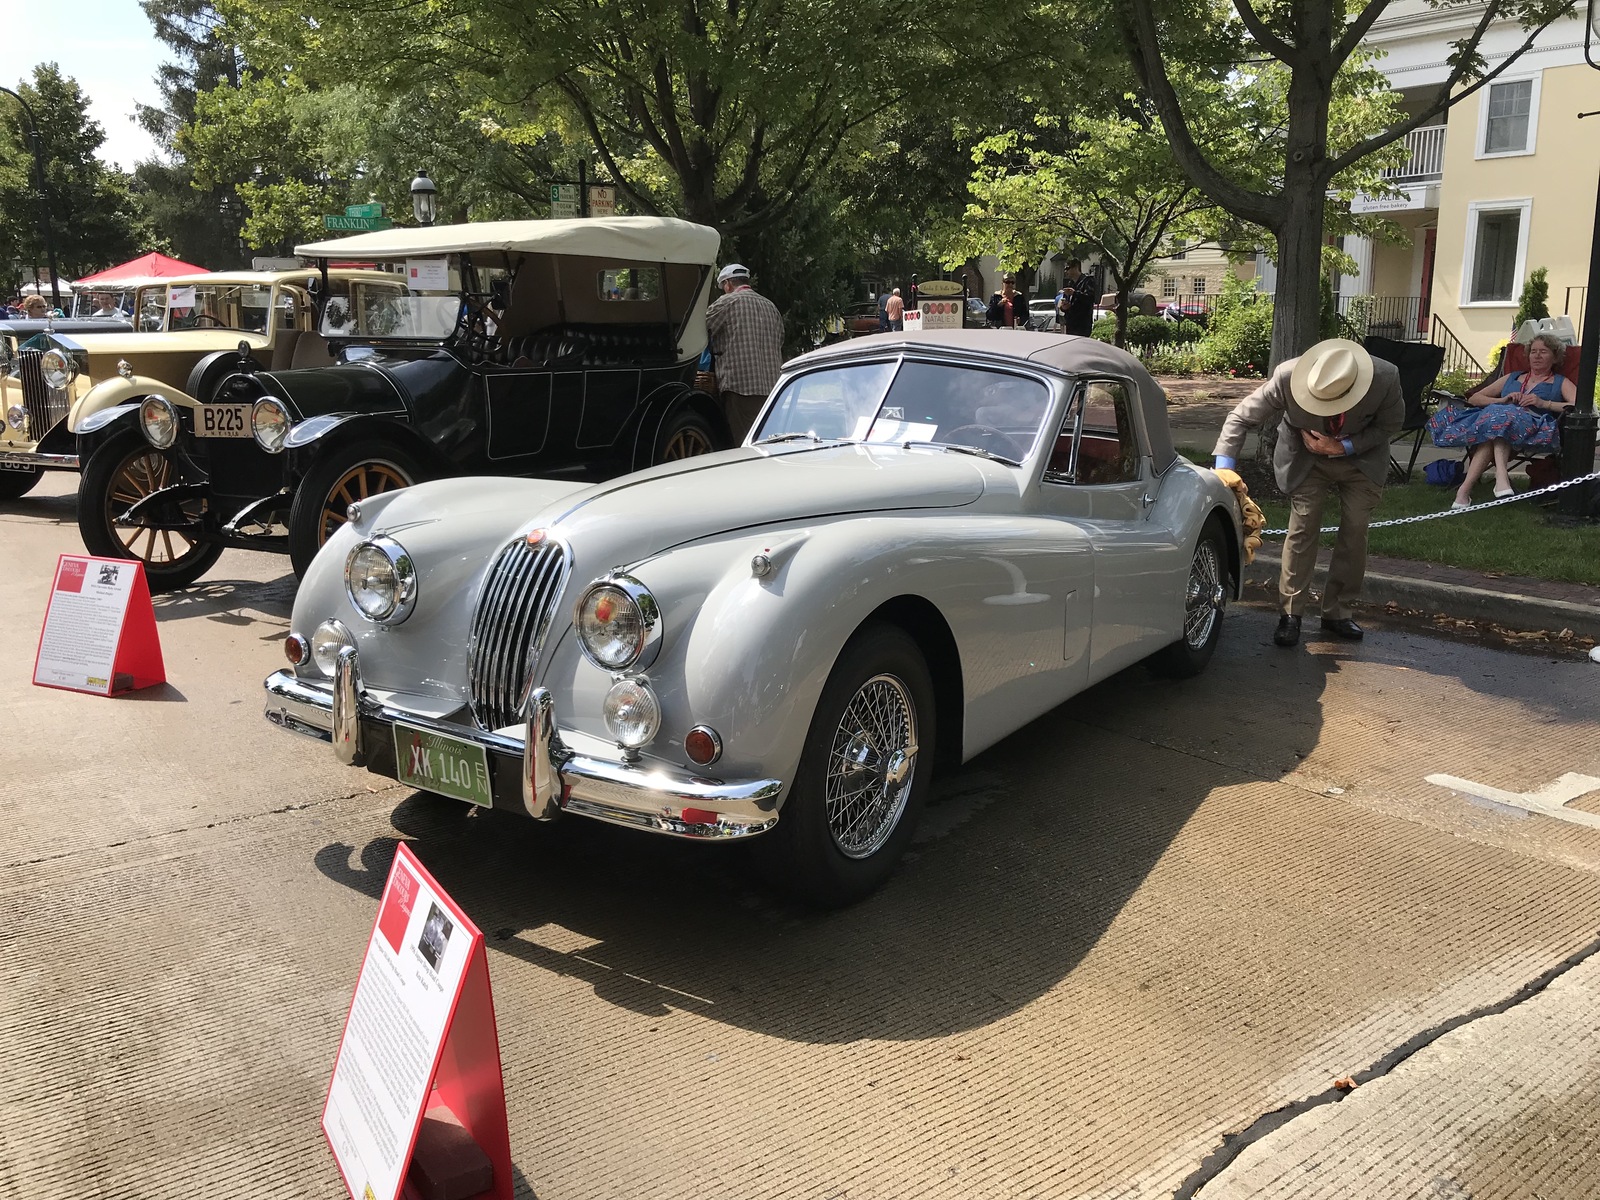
1100	479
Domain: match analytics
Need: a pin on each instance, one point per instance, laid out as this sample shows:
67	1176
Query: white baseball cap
733	271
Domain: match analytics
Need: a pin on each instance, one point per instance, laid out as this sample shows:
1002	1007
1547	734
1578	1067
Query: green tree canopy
94	221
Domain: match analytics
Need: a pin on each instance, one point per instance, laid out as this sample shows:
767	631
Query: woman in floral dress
1522	411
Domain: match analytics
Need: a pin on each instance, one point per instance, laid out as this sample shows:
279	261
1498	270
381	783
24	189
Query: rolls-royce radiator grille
514	613
43	411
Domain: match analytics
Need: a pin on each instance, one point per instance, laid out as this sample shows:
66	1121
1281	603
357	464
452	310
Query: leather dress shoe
1343	627
1288	631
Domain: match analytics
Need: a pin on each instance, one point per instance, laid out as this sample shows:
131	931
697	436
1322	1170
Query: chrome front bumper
552	777
32	458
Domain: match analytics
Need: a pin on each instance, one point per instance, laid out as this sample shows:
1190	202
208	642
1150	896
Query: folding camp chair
1418	364
1513	360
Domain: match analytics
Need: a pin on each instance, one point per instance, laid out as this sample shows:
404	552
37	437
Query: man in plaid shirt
747	344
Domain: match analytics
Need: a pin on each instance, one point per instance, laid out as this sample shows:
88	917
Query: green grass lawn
1514	539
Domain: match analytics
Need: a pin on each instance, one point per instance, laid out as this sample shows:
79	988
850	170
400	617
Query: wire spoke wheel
360	481
1204	596
871	766
142	474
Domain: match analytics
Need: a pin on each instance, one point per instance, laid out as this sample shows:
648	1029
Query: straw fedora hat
1331	377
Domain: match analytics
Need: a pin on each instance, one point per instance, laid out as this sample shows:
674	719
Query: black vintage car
551	348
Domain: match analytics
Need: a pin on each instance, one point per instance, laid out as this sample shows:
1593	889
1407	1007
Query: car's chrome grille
44	410
514	613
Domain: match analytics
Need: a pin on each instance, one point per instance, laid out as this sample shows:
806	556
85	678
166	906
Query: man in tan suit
1338	408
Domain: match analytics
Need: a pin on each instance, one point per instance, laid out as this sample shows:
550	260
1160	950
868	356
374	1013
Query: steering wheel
985	437
215	320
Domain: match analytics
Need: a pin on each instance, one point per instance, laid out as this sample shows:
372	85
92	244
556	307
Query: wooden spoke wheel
684	434
344	475
118	475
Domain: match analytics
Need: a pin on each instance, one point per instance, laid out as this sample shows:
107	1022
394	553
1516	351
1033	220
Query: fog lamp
329	638
632	713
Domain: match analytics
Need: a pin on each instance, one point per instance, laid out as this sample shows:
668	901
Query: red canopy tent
146	266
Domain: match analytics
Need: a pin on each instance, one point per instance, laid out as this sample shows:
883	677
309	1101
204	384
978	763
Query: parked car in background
861	319
927	541
1042	315
502	348
977	314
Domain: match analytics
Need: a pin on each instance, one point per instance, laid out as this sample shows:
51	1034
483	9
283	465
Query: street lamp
424	198
44	199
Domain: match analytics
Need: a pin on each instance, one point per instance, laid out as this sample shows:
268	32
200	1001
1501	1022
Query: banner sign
940	314
99	630
417	1088
911	319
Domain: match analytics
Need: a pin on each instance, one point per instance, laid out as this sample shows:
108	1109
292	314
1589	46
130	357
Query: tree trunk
1124	290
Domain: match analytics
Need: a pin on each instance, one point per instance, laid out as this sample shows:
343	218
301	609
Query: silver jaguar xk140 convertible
927	540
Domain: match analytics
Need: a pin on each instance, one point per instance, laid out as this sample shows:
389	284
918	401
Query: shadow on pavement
225	601
1026	856
58	510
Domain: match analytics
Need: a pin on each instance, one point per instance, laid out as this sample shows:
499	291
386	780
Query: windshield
423	303
245	307
990	410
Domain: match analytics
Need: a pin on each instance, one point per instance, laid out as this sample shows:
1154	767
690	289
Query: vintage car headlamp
632	713
381	580
16	417
159	420
270	421
618	623
330	638
58	368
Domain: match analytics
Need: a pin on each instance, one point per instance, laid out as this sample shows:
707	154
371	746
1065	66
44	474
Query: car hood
372	384
644	513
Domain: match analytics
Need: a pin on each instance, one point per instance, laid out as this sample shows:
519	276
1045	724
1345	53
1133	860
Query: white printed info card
409	982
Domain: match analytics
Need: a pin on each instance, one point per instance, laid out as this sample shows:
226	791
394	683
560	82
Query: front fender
749	655
117	394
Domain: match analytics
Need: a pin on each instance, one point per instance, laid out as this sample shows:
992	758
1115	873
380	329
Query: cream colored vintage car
65	392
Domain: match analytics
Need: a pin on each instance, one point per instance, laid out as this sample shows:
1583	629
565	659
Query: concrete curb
1513	610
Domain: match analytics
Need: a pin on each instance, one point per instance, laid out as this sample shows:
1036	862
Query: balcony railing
1427	156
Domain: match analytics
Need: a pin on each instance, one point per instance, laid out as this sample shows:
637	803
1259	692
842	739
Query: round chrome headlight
270	421
330	638
632	713
16	417
159	421
381	580
618	624
58	368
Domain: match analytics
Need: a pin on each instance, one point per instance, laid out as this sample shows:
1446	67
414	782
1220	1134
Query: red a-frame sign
417	1094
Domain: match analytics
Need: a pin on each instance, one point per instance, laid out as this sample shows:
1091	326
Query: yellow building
1501	183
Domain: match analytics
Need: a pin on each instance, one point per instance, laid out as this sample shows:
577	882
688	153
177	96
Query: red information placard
417	1086
99	630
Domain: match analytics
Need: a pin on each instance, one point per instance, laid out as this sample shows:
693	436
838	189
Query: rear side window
1097	441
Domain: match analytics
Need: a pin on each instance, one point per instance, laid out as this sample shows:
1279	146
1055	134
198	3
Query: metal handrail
1456	356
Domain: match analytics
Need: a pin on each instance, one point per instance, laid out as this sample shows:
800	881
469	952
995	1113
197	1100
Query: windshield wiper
959	448
785	437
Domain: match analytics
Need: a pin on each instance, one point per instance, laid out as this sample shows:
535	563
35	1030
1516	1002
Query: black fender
335	430
661	404
100	427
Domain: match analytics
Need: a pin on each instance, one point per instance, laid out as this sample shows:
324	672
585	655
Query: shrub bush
1146	333
1534	303
1186	332
1105	329
1238	338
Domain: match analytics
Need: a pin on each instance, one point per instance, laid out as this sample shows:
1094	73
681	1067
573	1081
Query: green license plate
435	762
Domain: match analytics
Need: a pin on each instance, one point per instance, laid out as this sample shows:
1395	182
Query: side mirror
500	294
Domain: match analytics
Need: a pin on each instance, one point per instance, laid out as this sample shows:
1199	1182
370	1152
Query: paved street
1126	935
